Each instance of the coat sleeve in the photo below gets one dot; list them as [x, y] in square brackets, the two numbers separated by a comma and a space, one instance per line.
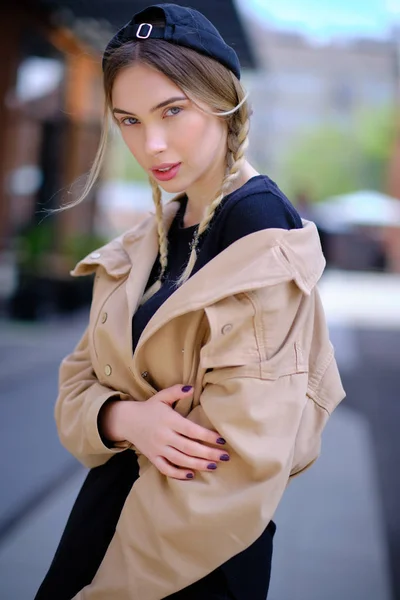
[172, 533]
[79, 401]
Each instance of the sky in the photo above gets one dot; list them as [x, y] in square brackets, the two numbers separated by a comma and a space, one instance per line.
[327, 18]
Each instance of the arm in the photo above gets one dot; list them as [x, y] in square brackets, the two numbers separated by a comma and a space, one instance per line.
[78, 405]
[172, 533]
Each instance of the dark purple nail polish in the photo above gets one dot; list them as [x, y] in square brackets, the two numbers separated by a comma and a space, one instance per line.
[212, 466]
[224, 457]
[187, 388]
[221, 441]
[189, 475]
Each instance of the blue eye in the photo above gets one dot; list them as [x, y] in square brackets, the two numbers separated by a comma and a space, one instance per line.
[128, 121]
[178, 108]
[124, 121]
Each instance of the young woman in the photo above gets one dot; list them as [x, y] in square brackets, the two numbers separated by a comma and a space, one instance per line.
[205, 376]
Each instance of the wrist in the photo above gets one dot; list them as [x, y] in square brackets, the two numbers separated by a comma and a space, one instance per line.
[111, 420]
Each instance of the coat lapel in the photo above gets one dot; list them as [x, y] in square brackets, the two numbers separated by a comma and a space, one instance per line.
[253, 262]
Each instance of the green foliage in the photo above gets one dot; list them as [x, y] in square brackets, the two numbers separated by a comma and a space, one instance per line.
[78, 246]
[376, 137]
[334, 160]
[33, 244]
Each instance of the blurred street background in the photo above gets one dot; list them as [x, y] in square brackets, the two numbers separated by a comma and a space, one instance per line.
[324, 83]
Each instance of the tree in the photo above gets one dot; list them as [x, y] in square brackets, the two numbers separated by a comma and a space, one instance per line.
[334, 159]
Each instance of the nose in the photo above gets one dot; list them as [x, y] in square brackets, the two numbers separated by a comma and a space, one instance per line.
[155, 141]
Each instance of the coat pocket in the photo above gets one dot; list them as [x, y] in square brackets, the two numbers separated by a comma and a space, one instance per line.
[232, 340]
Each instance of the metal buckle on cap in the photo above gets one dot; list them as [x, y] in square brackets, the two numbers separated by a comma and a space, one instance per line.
[144, 37]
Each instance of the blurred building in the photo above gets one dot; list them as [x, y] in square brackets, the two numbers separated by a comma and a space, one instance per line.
[51, 97]
[49, 118]
[51, 108]
[303, 84]
[392, 234]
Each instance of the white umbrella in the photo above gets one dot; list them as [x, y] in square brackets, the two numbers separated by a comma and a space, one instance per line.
[368, 208]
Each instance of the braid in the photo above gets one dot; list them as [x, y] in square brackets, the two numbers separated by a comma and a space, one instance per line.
[162, 240]
[237, 144]
[162, 236]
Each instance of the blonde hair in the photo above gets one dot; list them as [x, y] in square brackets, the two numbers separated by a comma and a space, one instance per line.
[202, 79]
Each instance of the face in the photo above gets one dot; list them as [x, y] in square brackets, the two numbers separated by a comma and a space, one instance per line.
[161, 126]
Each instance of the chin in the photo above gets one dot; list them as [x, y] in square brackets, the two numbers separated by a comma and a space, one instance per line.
[172, 187]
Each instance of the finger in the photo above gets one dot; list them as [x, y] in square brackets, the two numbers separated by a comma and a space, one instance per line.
[188, 462]
[174, 393]
[198, 450]
[170, 470]
[197, 432]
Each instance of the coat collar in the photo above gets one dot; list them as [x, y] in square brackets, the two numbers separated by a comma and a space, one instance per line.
[119, 255]
[267, 257]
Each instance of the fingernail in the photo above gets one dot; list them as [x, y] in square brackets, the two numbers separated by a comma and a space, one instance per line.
[212, 466]
[189, 475]
[187, 388]
[224, 457]
[221, 441]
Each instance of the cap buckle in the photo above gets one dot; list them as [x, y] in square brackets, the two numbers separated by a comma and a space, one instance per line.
[144, 37]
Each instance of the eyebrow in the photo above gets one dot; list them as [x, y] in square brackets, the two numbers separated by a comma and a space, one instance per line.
[161, 105]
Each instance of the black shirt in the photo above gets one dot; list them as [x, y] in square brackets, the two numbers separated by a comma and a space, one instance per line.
[258, 204]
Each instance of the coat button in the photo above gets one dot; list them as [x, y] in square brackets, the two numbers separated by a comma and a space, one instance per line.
[226, 328]
[95, 255]
[104, 317]
[144, 374]
[107, 370]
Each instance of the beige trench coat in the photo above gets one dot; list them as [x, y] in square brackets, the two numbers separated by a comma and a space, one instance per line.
[248, 332]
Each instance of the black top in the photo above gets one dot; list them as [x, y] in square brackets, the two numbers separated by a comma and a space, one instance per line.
[258, 204]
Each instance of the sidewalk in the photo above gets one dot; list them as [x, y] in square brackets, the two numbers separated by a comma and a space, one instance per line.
[330, 542]
[361, 299]
[35, 343]
[33, 461]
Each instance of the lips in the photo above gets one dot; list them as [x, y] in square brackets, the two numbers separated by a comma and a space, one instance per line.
[164, 166]
[165, 175]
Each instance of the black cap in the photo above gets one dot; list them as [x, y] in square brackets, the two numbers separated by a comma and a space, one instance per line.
[183, 26]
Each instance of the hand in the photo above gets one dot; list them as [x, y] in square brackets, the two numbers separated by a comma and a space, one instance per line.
[175, 445]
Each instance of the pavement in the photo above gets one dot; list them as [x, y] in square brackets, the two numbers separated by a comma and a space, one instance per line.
[338, 534]
[32, 460]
